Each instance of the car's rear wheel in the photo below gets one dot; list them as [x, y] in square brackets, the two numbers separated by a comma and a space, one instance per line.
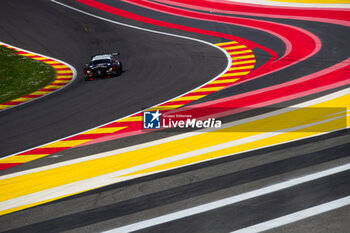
[120, 69]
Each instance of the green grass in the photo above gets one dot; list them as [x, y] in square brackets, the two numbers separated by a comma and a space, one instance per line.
[21, 75]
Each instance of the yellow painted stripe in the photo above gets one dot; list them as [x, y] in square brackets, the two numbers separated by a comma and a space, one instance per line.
[235, 74]
[64, 76]
[70, 143]
[61, 81]
[243, 57]
[226, 43]
[60, 66]
[243, 62]
[64, 72]
[205, 89]
[22, 158]
[165, 107]
[22, 99]
[194, 97]
[104, 130]
[225, 81]
[235, 47]
[241, 68]
[41, 58]
[2, 106]
[133, 118]
[40, 93]
[28, 54]
[52, 87]
[52, 62]
[240, 52]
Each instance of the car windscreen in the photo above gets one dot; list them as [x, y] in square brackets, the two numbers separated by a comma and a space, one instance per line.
[102, 61]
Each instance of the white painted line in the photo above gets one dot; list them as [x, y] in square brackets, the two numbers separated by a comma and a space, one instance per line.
[229, 62]
[228, 201]
[185, 135]
[292, 4]
[55, 59]
[297, 216]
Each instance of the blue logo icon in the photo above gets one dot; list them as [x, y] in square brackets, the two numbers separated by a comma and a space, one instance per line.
[151, 120]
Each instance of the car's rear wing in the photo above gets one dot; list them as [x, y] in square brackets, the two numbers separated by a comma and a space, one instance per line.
[114, 55]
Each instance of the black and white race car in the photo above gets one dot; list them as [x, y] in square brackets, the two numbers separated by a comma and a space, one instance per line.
[103, 66]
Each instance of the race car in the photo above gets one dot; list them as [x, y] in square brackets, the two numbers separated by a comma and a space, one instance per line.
[103, 66]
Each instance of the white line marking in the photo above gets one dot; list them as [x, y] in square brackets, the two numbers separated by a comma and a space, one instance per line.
[228, 201]
[297, 216]
[55, 59]
[229, 61]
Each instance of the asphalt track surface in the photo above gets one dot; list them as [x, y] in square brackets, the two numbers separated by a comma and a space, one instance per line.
[82, 105]
[156, 68]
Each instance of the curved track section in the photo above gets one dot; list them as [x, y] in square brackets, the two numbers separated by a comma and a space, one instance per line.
[157, 68]
[130, 125]
[65, 74]
[299, 89]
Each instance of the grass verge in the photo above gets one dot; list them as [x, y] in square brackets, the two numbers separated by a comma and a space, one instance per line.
[21, 75]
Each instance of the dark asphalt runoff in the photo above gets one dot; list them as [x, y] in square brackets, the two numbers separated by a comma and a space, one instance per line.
[157, 68]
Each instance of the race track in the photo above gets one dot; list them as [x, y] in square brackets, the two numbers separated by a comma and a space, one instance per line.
[161, 67]
[280, 163]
